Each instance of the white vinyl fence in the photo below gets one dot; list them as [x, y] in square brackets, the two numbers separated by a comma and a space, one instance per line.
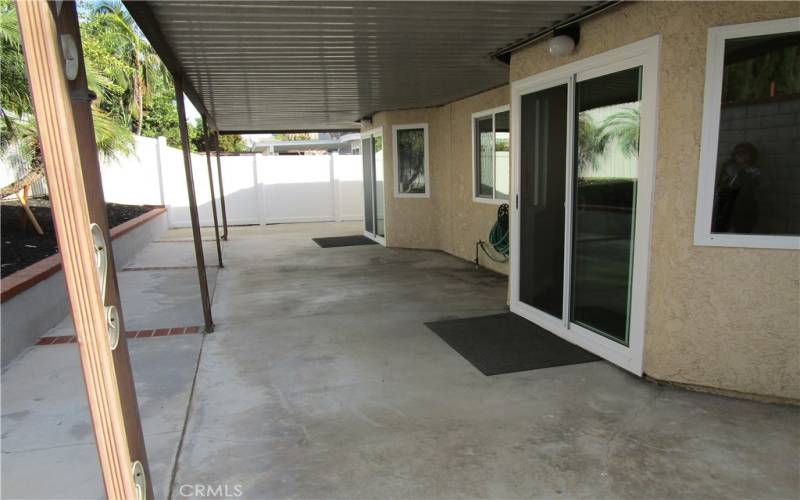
[13, 166]
[258, 189]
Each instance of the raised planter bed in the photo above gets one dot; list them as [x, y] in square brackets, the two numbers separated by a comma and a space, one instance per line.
[34, 299]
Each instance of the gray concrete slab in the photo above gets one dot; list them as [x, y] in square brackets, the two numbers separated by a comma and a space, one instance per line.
[48, 445]
[322, 382]
[153, 299]
[172, 254]
[185, 234]
[156, 299]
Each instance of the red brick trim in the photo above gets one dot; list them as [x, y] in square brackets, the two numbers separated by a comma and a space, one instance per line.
[184, 240]
[165, 268]
[25, 278]
[131, 334]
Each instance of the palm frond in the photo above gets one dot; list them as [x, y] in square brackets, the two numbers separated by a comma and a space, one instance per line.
[9, 29]
[623, 126]
[113, 138]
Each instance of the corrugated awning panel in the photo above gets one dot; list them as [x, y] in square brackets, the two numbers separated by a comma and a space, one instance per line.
[261, 66]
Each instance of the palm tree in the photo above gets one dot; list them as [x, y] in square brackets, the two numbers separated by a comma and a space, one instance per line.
[18, 125]
[623, 127]
[143, 70]
[591, 142]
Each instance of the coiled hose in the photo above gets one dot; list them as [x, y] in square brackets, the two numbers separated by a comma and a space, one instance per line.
[498, 238]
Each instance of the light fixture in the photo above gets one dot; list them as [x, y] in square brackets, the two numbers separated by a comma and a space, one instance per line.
[564, 40]
[70, 52]
[561, 45]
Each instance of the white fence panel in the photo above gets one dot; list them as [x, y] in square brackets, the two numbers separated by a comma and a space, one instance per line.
[14, 166]
[242, 203]
[348, 173]
[297, 188]
[258, 189]
[134, 179]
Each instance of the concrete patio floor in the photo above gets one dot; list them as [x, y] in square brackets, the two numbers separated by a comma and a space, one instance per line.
[321, 381]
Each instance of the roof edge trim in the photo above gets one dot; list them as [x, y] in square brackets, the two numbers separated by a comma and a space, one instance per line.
[504, 54]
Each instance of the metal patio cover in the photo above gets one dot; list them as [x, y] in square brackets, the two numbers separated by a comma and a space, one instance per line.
[300, 65]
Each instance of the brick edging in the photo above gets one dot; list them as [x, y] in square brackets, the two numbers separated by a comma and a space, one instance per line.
[131, 334]
[16, 283]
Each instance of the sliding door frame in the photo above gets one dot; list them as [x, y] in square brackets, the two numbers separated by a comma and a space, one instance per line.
[644, 53]
[371, 134]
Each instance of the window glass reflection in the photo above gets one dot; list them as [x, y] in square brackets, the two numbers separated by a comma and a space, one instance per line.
[757, 184]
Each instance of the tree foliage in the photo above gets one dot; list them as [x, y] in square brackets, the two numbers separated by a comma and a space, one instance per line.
[623, 127]
[411, 149]
[773, 69]
[113, 41]
[620, 129]
[18, 125]
[134, 93]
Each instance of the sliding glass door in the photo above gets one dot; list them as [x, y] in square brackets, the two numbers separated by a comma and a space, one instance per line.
[604, 201]
[581, 219]
[374, 209]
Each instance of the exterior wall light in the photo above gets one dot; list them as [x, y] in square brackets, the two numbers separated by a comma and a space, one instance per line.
[564, 40]
[561, 45]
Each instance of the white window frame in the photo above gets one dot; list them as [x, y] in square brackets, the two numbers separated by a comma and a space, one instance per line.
[715, 59]
[397, 193]
[475, 193]
[644, 53]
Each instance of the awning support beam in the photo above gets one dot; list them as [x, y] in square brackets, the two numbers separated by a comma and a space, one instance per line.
[207, 144]
[221, 189]
[66, 137]
[198, 243]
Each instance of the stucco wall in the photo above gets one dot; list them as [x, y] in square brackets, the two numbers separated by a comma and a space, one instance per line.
[726, 318]
[410, 222]
[449, 220]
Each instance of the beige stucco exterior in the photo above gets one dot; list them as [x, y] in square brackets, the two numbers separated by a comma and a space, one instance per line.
[449, 219]
[722, 318]
[727, 318]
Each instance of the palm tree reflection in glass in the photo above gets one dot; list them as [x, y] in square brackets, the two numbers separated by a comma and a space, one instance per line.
[411, 160]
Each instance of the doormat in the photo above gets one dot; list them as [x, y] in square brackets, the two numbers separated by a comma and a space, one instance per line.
[343, 241]
[507, 343]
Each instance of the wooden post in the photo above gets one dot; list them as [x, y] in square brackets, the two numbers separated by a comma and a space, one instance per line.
[198, 242]
[107, 374]
[221, 189]
[78, 90]
[207, 141]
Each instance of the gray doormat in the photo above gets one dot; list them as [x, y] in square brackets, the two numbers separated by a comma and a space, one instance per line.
[507, 343]
[343, 241]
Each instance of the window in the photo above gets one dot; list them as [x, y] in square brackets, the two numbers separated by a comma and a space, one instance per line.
[411, 161]
[490, 155]
[749, 164]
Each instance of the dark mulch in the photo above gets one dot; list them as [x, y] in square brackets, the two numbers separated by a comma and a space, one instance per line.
[22, 246]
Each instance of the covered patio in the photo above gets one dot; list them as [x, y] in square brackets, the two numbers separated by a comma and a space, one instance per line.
[322, 381]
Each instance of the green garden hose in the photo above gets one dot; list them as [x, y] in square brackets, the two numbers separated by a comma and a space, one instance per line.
[498, 238]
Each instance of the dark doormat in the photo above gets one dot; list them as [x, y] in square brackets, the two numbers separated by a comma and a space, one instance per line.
[508, 343]
[343, 241]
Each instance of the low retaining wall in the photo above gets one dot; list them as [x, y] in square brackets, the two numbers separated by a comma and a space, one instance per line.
[34, 299]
